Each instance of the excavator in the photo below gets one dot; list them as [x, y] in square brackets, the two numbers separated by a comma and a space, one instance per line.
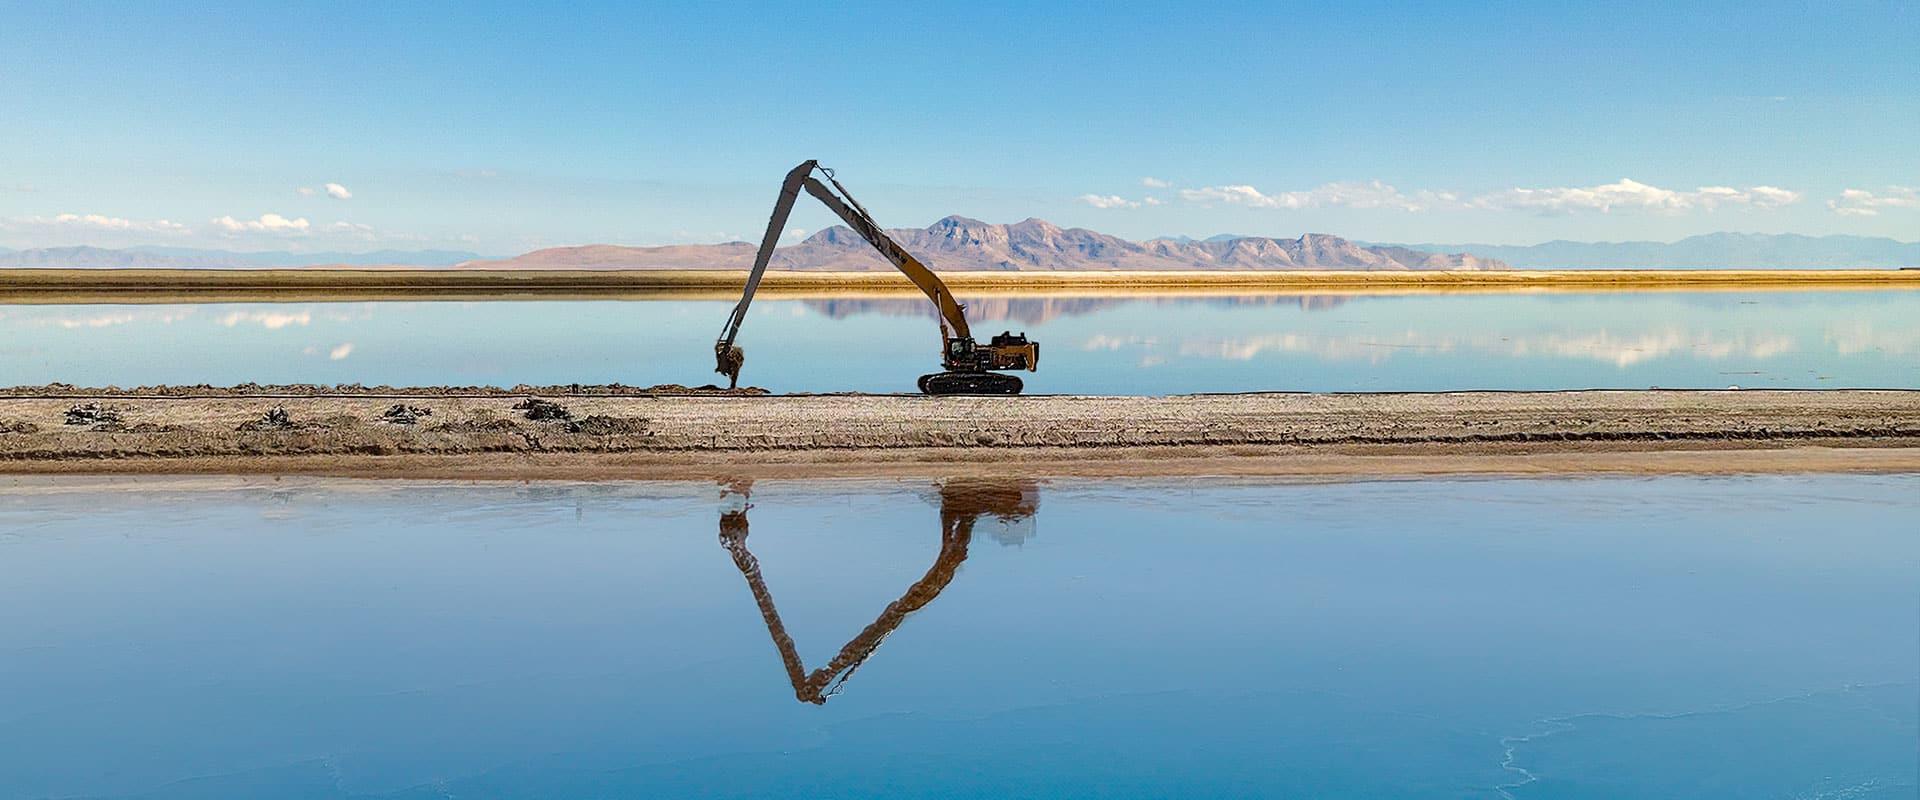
[968, 366]
[963, 501]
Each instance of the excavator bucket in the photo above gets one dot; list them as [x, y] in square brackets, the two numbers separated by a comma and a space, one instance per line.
[728, 359]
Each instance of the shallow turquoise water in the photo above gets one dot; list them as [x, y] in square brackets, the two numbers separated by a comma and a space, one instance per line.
[1661, 637]
[1138, 345]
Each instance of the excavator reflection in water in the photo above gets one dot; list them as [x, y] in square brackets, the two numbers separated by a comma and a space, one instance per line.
[963, 501]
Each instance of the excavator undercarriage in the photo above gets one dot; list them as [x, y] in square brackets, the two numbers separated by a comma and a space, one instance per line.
[969, 366]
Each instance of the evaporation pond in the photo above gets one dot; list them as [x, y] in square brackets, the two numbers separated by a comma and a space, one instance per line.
[1133, 345]
[1696, 637]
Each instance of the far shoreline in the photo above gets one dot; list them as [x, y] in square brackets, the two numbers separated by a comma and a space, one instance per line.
[81, 286]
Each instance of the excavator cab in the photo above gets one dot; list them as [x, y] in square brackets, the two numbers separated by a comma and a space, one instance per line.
[970, 367]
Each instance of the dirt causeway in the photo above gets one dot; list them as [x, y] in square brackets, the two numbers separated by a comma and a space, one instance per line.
[681, 433]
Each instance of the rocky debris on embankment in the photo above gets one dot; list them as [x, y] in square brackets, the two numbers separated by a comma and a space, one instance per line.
[403, 414]
[540, 410]
[93, 414]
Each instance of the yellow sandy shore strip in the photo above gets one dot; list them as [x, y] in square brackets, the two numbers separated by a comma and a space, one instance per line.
[271, 285]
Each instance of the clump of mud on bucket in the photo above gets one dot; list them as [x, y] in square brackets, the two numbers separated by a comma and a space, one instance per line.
[728, 361]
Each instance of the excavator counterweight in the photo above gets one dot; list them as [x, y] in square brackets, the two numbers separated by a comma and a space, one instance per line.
[969, 366]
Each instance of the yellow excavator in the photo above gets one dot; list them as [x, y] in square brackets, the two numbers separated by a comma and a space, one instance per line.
[969, 367]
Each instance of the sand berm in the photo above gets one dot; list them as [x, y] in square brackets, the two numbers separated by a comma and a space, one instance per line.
[617, 432]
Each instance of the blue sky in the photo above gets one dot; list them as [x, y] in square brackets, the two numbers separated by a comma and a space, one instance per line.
[500, 127]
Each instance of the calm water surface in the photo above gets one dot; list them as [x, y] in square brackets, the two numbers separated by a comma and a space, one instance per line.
[1662, 637]
[1136, 345]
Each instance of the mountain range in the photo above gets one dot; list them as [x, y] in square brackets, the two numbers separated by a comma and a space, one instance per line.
[960, 243]
[1709, 251]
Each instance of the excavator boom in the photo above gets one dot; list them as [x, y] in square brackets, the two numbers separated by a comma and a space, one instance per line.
[968, 364]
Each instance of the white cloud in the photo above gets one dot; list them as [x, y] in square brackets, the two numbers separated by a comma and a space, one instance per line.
[1152, 201]
[1623, 195]
[340, 353]
[348, 227]
[796, 233]
[1155, 183]
[1862, 203]
[1236, 194]
[1773, 196]
[1349, 194]
[102, 222]
[1631, 195]
[90, 227]
[1602, 345]
[1630, 350]
[333, 190]
[1102, 341]
[109, 320]
[271, 320]
[1860, 337]
[1107, 201]
[267, 223]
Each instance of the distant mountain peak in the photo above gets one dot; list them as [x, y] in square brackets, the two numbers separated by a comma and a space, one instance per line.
[1035, 222]
[835, 236]
[955, 221]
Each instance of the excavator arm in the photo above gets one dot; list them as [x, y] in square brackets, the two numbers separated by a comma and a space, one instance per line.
[953, 317]
[960, 354]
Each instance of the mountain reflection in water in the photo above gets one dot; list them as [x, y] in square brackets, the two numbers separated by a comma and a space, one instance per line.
[1117, 344]
[1041, 310]
[963, 501]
